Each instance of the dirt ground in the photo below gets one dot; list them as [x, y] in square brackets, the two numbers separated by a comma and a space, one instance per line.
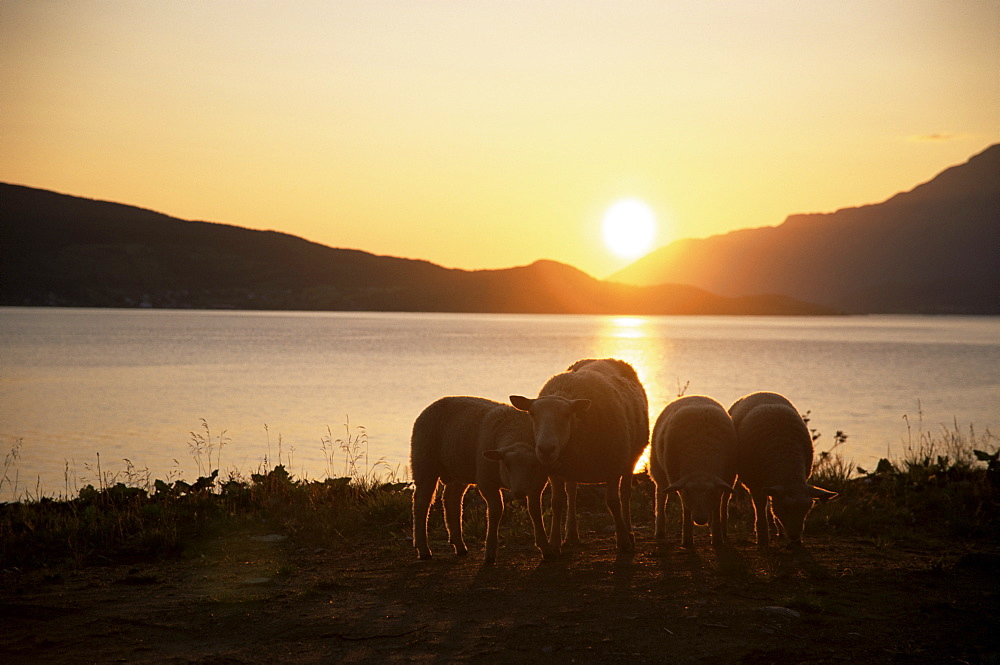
[259, 598]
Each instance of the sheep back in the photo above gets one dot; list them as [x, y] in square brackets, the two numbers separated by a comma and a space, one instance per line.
[693, 434]
[775, 447]
[450, 435]
[614, 431]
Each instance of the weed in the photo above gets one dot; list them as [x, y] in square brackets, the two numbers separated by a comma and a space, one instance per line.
[944, 488]
[938, 490]
[200, 444]
[327, 446]
[10, 460]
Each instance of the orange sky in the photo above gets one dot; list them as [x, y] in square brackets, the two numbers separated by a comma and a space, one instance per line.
[492, 134]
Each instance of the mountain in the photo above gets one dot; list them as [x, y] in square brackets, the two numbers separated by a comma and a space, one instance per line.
[63, 250]
[934, 249]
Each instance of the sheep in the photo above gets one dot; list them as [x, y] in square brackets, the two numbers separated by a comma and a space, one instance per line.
[774, 460]
[591, 424]
[693, 453]
[461, 441]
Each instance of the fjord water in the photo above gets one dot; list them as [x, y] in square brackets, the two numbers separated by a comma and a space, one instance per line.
[134, 384]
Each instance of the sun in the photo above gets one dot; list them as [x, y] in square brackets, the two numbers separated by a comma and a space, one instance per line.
[629, 228]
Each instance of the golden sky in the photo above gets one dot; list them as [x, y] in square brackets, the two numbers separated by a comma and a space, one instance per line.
[491, 134]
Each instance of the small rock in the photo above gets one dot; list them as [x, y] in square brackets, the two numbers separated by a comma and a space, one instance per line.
[272, 538]
[780, 611]
[257, 580]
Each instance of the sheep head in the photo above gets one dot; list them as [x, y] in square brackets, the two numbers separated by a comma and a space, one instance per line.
[791, 504]
[701, 494]
[519, 468]
[552, 418]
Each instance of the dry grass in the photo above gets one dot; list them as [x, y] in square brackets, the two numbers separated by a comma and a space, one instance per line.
[944, 487]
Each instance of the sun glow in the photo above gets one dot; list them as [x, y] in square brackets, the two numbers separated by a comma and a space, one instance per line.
[629, 228]
[628, 327]
[637, 341]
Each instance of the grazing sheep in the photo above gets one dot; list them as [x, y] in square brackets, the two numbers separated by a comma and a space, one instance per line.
[774, 460]
[694, 454]
[591, 424]
[470, 440]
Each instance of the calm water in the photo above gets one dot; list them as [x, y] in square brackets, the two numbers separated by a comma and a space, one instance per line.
[134, 384]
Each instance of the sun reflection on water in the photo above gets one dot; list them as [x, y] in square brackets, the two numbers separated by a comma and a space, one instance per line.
[627, 327]
[635, 340]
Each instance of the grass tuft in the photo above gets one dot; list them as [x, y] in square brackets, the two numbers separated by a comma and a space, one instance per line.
[942, 488]
[130, 514]
[945, 487]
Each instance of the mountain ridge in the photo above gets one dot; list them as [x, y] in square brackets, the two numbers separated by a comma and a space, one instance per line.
[932, 249]
[58, 249]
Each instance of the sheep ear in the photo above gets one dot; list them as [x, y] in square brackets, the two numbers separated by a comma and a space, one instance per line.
[521, 403]
[494, 455]
[720, 483]
[821, 494]
[580, 406]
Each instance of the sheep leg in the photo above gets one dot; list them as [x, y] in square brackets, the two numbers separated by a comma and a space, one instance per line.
[453, 495]
[572, 530]
[622, 530]
[535, 512]
[724, 515]
[719, 519]
[687, 526]
[774, 523]
[494, 513]
[660, 529]
[625, 493]
[423, 495]
[558, 512]
[761, 518]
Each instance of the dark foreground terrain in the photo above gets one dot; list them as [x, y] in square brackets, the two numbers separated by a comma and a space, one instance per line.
[258, 598]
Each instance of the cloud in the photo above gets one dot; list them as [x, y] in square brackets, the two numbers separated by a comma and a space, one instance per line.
[938, 137]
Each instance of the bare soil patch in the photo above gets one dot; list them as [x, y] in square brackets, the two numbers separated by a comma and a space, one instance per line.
[241, 598]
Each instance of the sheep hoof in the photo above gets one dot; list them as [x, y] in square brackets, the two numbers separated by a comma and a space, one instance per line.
[425, 556]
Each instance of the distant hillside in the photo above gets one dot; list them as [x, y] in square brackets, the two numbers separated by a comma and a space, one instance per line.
[935, 249]
[63, 250]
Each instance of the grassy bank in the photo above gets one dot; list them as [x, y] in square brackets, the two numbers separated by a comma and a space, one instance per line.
[946, 486]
